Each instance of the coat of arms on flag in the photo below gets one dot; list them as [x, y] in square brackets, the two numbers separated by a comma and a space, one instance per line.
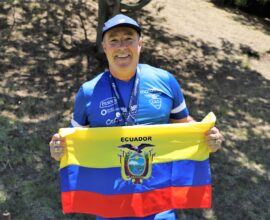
[136, 164]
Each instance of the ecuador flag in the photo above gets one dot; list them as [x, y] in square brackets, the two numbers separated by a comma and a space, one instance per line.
[136, 170]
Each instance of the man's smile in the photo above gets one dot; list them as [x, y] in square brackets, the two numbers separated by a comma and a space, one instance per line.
[122, 56]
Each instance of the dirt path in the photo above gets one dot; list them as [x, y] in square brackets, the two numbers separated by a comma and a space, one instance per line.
[193, 21]
[201, 19]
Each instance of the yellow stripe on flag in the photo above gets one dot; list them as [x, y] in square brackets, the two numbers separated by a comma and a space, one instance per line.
[98, 147]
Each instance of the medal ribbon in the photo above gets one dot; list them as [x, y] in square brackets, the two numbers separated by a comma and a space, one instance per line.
[129, 113]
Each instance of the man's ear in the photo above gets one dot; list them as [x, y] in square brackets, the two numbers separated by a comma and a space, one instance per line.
[140, 42]
[103, 46]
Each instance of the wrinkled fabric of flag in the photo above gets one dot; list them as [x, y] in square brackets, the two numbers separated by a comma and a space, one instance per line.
[136, 170]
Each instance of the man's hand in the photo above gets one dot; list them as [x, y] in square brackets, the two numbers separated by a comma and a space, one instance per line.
[57, 146]
[214, 139]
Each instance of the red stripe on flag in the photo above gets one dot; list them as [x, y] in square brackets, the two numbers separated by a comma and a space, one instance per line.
[137, 204]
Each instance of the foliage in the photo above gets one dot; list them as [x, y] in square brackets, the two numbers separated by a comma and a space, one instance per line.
[258, 7]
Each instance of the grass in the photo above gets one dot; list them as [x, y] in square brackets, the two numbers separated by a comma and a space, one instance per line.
[40, 78]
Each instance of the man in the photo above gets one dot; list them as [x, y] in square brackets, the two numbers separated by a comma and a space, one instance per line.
[129, 93]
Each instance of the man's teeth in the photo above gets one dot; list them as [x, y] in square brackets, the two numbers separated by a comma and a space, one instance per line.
[122, 56]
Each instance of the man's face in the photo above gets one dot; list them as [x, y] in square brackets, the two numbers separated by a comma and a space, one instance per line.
[122, 46]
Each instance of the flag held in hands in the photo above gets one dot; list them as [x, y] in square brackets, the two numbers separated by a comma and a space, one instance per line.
[136, 170]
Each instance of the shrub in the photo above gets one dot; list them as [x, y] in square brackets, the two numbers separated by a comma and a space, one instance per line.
[257, 7]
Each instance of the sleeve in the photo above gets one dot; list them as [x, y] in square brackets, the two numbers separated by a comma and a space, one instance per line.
[79, 118]
[179, 108]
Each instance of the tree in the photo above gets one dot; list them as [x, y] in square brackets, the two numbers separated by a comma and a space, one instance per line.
[109, 8]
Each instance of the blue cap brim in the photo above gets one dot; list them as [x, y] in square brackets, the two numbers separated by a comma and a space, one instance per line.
[136, 28]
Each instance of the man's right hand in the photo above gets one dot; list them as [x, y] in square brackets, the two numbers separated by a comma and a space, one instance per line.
[57, 146]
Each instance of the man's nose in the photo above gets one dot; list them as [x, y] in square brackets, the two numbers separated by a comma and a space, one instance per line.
[123, 43]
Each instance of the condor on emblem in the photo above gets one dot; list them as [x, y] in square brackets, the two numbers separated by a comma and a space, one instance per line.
[136, 163]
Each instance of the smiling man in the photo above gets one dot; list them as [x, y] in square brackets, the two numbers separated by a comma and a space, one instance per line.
[129, 93]
[122, 46]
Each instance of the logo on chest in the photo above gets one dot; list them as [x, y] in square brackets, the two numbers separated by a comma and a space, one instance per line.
[109, 102]
[153, 96]
[156, 102]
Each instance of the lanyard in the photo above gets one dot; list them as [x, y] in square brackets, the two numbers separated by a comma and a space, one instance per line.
[128, 113]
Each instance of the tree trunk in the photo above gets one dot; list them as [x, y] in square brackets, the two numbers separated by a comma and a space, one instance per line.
[106, 9]
[134, 6]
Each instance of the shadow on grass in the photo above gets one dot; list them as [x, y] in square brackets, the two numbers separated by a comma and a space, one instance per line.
[46, 54]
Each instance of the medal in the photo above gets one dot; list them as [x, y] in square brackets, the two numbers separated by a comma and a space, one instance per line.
[128, 113]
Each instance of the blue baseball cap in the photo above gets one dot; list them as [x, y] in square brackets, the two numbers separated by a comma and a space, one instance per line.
[120, 20]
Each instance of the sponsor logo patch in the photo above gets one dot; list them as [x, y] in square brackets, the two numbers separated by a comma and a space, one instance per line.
[109, 102]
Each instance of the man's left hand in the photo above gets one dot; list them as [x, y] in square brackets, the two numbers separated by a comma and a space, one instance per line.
[214, 139]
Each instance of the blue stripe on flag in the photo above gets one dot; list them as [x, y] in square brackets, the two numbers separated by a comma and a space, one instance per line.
[109, 181]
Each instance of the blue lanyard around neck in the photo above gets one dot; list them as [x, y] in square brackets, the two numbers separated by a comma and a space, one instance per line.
[128, 113]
